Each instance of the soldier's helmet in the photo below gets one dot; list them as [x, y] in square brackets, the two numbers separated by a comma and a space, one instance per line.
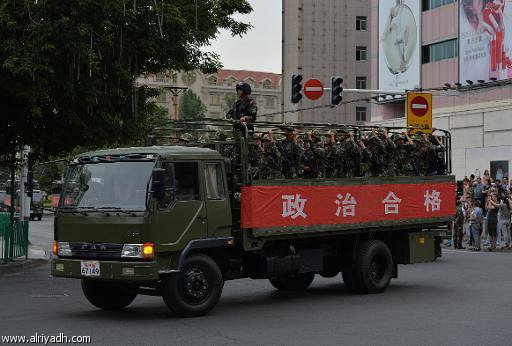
[257, 136]
[266, 138]
[186, 137]
[245, 87]
[221, 135]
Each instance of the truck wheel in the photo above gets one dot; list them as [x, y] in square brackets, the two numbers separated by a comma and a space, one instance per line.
[31, 218]
[40, 217]
[196, 289]
[108, 295]
[374, 267]
[297, 282]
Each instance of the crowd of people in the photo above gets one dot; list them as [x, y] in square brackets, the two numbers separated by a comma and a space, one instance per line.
[484, 212]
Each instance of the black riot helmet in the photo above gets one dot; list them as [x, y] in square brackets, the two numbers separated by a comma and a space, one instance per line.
[246, 88]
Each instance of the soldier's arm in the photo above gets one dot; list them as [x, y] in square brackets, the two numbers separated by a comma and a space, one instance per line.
[251, 112]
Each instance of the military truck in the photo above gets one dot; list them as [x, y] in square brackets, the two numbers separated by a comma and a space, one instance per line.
[179, 220]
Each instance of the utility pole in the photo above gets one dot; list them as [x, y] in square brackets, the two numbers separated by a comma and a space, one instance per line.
[24, 199]
[175, 92]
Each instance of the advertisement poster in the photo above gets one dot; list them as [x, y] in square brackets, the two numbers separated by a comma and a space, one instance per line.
[485, 40]
[399, 44]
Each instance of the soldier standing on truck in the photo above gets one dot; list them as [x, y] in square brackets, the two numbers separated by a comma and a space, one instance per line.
[292, 153]
[271, 163]
[365, 159]
[404, 149]
[255, 156]
[377, 150]
[333, 155]
[389, 154]
[315, 155]
[244, 110]
[351, 154]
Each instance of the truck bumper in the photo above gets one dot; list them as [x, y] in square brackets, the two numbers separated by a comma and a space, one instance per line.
[109, 270]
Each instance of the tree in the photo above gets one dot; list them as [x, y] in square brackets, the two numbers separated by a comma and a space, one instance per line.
[68, 68]
[229, 100]
[191, 107]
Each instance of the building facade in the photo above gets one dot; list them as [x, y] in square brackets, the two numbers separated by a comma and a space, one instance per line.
[478, 113]
[322, 39]
[217, 91]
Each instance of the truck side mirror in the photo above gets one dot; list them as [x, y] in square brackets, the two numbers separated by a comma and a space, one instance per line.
[158, 183]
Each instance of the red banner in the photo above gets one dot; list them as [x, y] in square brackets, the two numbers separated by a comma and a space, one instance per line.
[280, 206]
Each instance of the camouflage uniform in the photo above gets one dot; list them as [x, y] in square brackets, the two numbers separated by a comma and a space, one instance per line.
[333, 155]
[403, 158]
[315, 156]
[255, 156]
[421, 157]
[271, 163]
[377, 161]
[244, 107]
[365, 162]
[458, 227]
[185, 138]
[389, 157]
[293, 156]
[351, 158]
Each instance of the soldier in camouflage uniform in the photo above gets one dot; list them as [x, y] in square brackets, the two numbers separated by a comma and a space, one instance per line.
[292, 154]
[351, 154]
[244, 110]
[332, 154]
[365, 160]
[271, 163]
[458, 231]
[403, 158]
[185, 138]
[315, 156]
[377, 150]
[255, 156]
[421, 155]
[389, 154]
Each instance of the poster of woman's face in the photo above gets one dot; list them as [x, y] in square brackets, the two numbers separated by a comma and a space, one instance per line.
[485, 39]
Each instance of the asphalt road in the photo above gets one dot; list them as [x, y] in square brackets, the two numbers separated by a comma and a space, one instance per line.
[462, 299]
[41, 232]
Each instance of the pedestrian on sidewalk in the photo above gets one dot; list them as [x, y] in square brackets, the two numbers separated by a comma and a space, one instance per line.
[458, 224]
[475, 223]
[504, 222]
[492, 219]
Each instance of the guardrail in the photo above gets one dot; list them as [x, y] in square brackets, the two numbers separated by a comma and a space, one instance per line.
[13, 238]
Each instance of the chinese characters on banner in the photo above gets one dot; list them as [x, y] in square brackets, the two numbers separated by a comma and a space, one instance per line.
[279, 206]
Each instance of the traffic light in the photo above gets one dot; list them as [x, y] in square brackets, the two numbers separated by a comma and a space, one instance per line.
[296, 88]
[336, 90]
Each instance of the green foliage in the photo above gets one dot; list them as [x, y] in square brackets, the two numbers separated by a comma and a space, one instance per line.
[191, 107]
[68, 68]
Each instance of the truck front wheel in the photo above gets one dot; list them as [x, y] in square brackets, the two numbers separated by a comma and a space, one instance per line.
[297, 282]
[108, 295]
[373, 267]
[196, 289]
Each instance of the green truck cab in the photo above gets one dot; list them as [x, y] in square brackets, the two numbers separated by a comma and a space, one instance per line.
[178, 221]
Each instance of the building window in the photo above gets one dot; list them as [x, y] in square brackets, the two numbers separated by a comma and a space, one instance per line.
[360, 53]
[267, 84]
[361, 23]
[250, 81]
[440, 51]
[270, 102]
[360, 114]
[431, 4]
[214, 99]
[231, 81]
[212, 80]
[214, 181]
[360, 82]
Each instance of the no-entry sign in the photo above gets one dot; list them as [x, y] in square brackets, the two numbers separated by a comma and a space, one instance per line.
[313, 89]
[419, 112]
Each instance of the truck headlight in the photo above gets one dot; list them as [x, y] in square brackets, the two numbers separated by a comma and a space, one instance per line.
[144, 251]
[63, 249]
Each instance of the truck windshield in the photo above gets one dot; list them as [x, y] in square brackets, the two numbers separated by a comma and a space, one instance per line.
[107, 185]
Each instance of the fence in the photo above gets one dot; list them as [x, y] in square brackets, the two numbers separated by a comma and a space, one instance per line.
[13, 238]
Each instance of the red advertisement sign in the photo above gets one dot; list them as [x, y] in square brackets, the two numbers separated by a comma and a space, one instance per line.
[280, 206]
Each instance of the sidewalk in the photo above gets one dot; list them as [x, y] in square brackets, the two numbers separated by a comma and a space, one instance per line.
[36, 256]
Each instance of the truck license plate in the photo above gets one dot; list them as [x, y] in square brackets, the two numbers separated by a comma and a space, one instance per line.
[90, 268]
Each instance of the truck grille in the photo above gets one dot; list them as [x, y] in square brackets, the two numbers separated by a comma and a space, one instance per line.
[96, 250]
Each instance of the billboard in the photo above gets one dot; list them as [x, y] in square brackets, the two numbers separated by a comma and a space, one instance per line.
[399, 44]
[485, 41]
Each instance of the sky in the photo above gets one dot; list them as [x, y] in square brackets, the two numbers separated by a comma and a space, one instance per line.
[260, 49]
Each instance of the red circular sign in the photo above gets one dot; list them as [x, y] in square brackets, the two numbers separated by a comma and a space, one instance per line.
[419, 106]
[313, 89]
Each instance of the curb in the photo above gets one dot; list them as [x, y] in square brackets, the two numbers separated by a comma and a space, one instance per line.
[17, 266]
